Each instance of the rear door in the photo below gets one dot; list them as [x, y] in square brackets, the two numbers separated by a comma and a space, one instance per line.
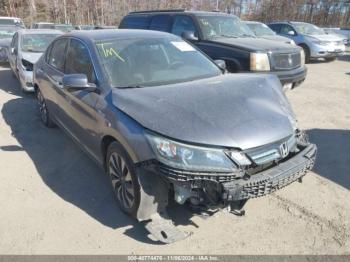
[52, 72]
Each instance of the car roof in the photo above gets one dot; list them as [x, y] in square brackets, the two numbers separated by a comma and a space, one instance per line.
[180, 11]
[101, 34]
[253, 22]
[39, 31]
[10, 17]
[44, 23]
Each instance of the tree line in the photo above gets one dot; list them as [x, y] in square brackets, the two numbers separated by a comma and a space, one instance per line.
[332, 13]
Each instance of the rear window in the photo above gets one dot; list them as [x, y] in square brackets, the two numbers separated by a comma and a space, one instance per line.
[161, 23]
[135, 22]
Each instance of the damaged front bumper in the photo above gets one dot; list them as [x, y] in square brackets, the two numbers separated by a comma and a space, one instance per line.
[272, 179]
[159, 183]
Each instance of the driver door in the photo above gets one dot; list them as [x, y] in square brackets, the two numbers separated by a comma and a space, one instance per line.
[79, 105]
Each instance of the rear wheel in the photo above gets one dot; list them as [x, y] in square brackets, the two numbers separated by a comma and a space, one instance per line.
[44, 112]
[124, 180]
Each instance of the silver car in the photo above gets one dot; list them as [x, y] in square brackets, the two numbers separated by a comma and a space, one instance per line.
[263, 31]
[315, 42]
[26, 48]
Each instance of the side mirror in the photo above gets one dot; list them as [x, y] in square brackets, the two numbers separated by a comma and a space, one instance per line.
[74, 82]
[291, 32]
[189, 35]
[13, 51]
[221, 64]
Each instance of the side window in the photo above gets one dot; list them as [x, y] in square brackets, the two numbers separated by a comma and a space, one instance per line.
[79, 61]
[47, 53]
[183, 23]
[135, 22]
[57, 54]
[275, 27]
[161, 23]
[286, 28]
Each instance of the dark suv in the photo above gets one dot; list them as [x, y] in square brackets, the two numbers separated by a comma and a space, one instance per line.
[223, 36]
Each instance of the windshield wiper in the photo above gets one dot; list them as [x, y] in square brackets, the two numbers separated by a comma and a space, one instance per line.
[129, 87]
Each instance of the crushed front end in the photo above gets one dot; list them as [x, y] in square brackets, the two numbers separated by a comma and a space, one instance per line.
[259, 171]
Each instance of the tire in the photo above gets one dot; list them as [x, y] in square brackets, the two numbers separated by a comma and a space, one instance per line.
[330, 59]
[307, 53]
[44, 112]
[124, 181]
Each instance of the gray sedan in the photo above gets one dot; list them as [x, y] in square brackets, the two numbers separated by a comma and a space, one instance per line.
[167, 123]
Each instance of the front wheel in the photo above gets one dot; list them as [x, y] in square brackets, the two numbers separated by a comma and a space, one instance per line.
[44, 112]
[306, 52]
[330, 59]
[126, 186]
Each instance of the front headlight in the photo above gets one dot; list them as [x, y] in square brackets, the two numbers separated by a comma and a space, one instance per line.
[259, 62]
[302, 57]
[292, 42]
[26, 65]
[188, 157]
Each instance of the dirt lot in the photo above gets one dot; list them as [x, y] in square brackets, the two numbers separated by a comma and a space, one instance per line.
[55, 200]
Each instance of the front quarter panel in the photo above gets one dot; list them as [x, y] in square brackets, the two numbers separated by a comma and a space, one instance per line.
[118, 125]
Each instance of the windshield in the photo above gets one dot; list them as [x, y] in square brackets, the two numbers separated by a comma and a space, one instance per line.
[260, 29]
[36, 43]
[308, 29]
[223, 26]
[143, 62]
[7, 32]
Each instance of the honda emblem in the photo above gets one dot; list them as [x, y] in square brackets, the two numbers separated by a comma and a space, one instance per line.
[284, 150]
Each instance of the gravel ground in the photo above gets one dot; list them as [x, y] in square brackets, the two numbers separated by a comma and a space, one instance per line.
[55, 200]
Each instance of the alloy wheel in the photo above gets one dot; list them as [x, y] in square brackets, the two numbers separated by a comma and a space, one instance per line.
[121, 181]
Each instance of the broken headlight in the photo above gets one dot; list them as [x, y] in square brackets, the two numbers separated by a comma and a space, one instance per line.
[189, 157]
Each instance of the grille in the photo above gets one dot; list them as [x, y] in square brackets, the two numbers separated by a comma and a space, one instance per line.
[283, 61]
[183, 176]
[271, 152]
[266, 184]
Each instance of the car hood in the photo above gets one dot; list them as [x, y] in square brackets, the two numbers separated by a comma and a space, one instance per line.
[31, 56]
[256, 44]
[237, 111]
[277, 38]
[6, 42]
[325, 37]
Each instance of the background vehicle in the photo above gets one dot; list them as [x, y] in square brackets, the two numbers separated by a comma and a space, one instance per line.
[225, 37]
[43, 25]
[64, 27]
[315, 42]
[84, 27]
[263, 31]
[105, 27]
[340, 33]
[26, 48]
[12, 21]
[6, 34]
[127, 116]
